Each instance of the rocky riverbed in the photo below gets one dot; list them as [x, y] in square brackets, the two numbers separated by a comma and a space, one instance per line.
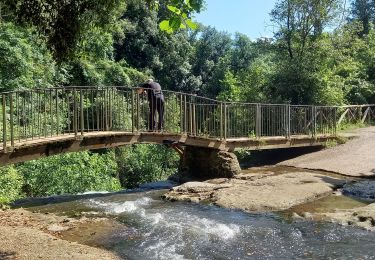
[28, 235]
[260, 189]
[278, 188]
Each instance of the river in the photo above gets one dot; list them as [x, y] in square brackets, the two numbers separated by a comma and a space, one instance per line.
[157, 229]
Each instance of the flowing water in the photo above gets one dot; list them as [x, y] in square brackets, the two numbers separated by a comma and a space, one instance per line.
[156, 229]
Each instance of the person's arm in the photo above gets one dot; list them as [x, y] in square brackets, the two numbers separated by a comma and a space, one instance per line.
[141, 90]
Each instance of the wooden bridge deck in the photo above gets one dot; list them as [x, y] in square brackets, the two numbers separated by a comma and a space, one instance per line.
[34, 149]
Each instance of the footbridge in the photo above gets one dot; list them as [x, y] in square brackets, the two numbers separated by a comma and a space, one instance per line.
[48, 121]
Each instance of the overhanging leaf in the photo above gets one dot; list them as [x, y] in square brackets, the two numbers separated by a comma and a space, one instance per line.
[191, 24]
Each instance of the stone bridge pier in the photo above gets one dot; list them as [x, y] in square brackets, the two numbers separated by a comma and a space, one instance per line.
[208, 163]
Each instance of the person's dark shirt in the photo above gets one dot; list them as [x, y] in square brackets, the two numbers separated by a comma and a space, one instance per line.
[153, 90]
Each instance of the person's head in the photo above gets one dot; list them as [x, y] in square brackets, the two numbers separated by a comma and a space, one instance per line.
[149, 81]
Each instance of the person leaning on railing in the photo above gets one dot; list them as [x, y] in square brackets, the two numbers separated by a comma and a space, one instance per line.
[156, 103]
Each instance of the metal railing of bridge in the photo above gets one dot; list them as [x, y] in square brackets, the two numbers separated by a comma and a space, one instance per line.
[35, 114]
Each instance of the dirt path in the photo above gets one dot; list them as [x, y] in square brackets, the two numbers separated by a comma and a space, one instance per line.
[355, 158]
[26, 235]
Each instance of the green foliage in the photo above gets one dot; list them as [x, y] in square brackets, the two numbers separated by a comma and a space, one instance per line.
[179, 14]
[63, 22]
[24, 59]
[211, 59]
[165, 57]
[10, 185]
[69, 174]
[364, 12]
[145, 163]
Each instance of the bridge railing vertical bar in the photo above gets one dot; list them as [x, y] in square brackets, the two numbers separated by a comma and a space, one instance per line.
[288, 120]
[313, 118]
[302, 120]
[225, 120]
[241, 119]
[11, 123]
[82, 119]
[258, 121]
[4, 115]
[221, 120]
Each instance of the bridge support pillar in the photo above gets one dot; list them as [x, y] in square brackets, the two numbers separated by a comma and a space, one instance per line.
[205, 163]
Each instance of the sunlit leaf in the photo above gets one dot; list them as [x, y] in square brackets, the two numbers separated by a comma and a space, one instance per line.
[191, 24]
[174, 9]
[164, 25]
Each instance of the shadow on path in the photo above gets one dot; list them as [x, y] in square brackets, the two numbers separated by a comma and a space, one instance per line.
[7, 255]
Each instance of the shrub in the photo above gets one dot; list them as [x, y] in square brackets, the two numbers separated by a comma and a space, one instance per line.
[70, 173]
[10, 185]
[145, 163]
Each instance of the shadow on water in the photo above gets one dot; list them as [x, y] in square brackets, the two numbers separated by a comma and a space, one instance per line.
[275, 156]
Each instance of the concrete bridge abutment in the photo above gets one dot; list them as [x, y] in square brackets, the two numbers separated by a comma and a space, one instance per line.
[207, 163]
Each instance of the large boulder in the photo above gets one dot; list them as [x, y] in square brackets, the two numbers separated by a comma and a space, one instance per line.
[205, 163]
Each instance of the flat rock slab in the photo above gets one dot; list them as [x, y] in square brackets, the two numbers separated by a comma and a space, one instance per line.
[265, 193]
[278, 192]
[28, 243]
[355, 158]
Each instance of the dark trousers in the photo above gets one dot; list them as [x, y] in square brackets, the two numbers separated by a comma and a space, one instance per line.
[156, 105]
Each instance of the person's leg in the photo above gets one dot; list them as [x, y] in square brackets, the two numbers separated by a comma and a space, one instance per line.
[161, 114]
[151, 116]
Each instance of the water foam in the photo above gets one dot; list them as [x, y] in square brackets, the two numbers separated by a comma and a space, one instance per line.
[220, 230]
[121, 207]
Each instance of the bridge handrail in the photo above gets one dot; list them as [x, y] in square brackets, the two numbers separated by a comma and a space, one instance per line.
[49, 112]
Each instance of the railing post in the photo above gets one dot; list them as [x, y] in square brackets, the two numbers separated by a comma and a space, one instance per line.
[75, 112]
[194, 118]
[132, 110]
[11, 119]
[287, 121]
[190, 118]
[110, 108]
[225, 121]
[313, 112]
[4, 124]
[334, 122]
[185, 115]
[45, 113]
[57, 112]
[137, 104]
[81, 111]
[221, 121]
[106, 109]
[258, 121]
[181, 115]
[365, 115]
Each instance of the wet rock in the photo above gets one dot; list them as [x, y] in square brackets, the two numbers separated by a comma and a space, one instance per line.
[362, 189]
[197, 187]
[253, 176]
[194, 191]
[362, 217]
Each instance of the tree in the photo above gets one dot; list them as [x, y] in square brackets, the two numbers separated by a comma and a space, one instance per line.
[364, 11]
[167, 57]
[25, 60]
[211, 59]
[300, 22]
[63, 22]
